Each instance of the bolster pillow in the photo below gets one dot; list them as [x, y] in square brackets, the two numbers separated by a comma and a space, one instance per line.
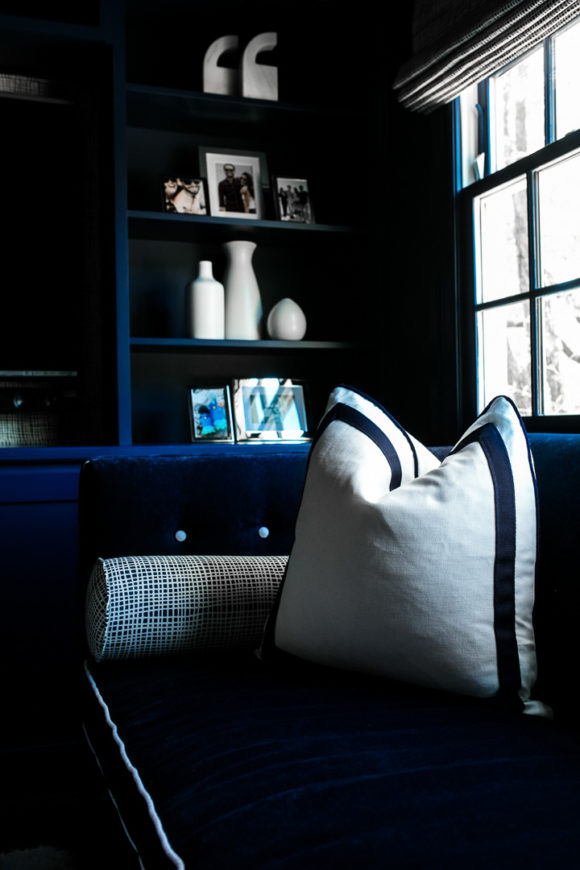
[143, 606]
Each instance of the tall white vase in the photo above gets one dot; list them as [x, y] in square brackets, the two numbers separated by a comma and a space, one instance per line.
[243, 304]
[206, 304]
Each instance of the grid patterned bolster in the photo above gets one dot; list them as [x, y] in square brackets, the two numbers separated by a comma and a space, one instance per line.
[140, 606]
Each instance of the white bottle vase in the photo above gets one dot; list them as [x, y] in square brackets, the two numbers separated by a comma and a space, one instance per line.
[206, 304]
[286, 321]
[243, 303]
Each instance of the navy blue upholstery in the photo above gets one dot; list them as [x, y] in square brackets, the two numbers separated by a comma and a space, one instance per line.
[252, 767]
[134, 505]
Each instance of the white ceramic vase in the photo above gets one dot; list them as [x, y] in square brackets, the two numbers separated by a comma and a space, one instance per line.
[206, 304]
[286, 321]
[243, 306]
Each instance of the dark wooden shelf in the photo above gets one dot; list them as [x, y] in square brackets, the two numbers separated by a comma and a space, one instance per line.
[170, 109]
[181, 227]
[45, 30]
[181, 344]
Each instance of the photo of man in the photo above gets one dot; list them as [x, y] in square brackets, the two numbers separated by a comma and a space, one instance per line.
[229, 190]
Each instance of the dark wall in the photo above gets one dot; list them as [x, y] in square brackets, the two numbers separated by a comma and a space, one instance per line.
[419, 303]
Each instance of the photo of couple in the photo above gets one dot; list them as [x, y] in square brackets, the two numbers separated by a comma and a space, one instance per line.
[236, 189]
[234, 182]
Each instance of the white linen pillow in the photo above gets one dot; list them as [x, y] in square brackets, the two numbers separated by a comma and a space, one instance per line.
[408, 567]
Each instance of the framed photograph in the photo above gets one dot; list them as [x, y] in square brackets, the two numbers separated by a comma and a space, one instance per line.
[211, 414]
[234, 181]
[184, 195]
[292, 198]
[270, 409]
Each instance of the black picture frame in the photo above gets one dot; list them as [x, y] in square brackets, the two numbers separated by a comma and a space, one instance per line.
[210, 414]
[292, 199]
[244, 200]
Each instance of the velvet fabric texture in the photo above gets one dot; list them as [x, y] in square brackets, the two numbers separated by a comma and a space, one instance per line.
[133, 506]
[256, 767]
[251, 768]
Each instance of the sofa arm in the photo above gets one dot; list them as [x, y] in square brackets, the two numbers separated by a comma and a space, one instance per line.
[143, 606]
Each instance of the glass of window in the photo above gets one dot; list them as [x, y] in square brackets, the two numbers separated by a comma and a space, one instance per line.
[504, 355]
[567, 76]
[502, 242]
[558, 210]
[517, 96]
[559, 319]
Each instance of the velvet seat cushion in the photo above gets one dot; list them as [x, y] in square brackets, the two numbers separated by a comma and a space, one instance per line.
[242, 767]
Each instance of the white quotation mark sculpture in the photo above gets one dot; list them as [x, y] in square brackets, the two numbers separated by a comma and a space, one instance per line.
[258, 80]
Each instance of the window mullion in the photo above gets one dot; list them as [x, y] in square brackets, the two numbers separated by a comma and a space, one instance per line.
[533, 251]
[484, 125]
[549, 92]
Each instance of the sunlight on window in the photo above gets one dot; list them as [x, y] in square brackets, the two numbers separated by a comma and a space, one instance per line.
[559, 220]
[567, 75]
[502, 242]
[504, 355]
[518, 101]
[559, 318]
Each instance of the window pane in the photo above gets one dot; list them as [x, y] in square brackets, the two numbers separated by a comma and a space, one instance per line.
[504, 361]
[518, 101]
[567, 76]
[502, 242]
[559, 316]
[559, 221]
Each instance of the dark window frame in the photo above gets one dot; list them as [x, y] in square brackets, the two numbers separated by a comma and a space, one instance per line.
[465, 247]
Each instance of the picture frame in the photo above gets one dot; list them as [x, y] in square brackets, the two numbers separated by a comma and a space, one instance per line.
[184, 194]
[234, 181]
[210, 414]
[270, 409]
[292, 199]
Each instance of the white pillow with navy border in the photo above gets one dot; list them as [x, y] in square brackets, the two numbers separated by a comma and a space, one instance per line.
[411, 568]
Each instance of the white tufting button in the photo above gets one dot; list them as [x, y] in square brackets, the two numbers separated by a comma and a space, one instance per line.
[263, 531]
[180, 535]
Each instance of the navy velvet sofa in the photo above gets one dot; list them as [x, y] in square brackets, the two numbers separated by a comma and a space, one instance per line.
[220, 760]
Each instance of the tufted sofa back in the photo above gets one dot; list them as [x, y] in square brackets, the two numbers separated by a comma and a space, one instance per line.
[245, 501]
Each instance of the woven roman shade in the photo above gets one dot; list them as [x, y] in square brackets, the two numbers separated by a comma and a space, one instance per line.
[459, 42]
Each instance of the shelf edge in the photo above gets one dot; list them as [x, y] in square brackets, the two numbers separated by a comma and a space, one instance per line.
[154, 344]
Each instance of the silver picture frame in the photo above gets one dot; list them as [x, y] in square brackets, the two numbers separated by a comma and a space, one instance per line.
[270, 409]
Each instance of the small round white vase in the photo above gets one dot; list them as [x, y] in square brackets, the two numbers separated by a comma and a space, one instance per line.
[206, 304]
[286, 321]
[243, 305]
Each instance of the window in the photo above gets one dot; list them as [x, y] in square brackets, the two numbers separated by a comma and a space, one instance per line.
[518, 197]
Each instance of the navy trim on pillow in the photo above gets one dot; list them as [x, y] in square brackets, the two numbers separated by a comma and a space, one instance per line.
[358, 421]
[393, 420]
[508, 663]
